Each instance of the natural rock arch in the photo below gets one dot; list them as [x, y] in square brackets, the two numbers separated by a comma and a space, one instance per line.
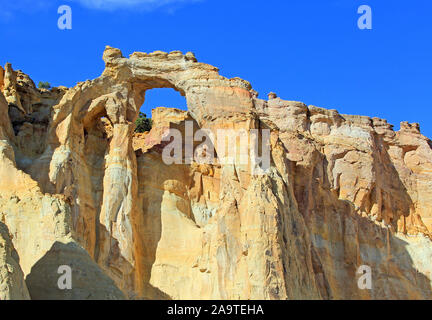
[298, 232]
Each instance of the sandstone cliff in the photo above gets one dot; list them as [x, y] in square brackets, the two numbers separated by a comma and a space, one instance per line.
[12, 284]
[79, 188]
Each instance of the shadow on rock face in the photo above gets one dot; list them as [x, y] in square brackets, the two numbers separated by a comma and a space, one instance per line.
[89, 282]
[342, 239]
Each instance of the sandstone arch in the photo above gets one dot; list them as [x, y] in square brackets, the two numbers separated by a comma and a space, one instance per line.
[342, 190]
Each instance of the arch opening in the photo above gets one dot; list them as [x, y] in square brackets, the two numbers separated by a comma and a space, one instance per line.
[163, 97]
[155, 98]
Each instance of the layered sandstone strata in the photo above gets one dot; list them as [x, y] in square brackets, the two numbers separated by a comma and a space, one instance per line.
[341, 192]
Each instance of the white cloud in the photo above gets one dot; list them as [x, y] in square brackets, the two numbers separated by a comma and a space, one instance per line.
[12, 9]
[130, 4]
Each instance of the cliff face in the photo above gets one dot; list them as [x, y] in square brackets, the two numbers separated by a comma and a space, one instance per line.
[79, 188]
[12, 284]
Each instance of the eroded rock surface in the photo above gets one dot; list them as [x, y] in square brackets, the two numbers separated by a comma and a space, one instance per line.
[12, 284]
[342, 191]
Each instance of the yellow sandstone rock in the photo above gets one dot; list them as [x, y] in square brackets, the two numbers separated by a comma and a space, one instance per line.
[12, 284]
[76, 181]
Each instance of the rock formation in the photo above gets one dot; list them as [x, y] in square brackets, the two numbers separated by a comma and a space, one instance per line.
[12, 284]
[79, 188]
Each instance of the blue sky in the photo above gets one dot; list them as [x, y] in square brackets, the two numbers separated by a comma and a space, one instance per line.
[305, 50]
